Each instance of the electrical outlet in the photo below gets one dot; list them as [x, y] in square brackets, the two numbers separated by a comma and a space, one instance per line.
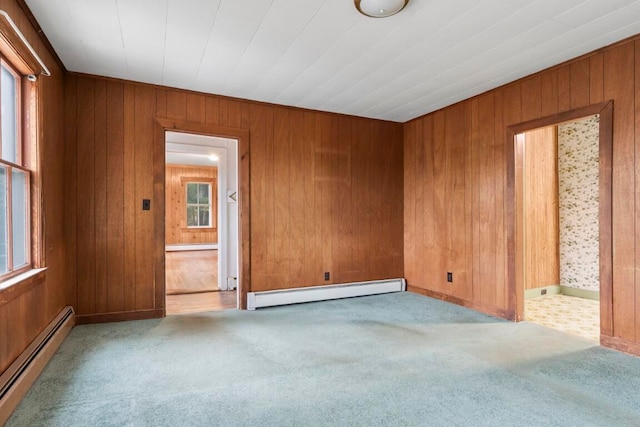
[146, 204]
[327, 275]
[450, 277]
[543, 292]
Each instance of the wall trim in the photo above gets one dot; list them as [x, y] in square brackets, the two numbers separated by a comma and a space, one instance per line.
[620, 344]
[161, 126]
[537, 292]
[120, 316]
[580, 293]
[491, 311]
[515, 287]
[197, 247]
[16, 381]
[562, 290]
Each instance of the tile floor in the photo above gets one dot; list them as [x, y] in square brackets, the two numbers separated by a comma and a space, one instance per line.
[575, 316]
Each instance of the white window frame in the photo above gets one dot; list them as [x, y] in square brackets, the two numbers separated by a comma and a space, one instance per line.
[20, 164]
[198, 205]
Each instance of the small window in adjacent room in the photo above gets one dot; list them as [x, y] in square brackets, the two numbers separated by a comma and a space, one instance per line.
[198, 204]
[15, 187]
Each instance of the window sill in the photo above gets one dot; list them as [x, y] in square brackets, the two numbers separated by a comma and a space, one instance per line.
[198, 229]
[20, 284]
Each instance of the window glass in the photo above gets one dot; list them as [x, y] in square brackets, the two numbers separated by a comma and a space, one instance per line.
[20, 217]
[203, 194]
[15, 190]
[192, 216]
[3, 220]
[204, 216]
[198, 208]
[9, 123]
[192, 193]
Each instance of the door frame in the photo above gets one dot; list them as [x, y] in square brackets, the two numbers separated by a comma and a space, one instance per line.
[161, 126]
[514, 262]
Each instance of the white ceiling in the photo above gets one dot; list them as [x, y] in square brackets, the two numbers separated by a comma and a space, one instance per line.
[189, 149]
[324, 55]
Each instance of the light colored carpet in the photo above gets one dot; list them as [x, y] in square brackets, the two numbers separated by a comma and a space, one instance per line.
[393, 360]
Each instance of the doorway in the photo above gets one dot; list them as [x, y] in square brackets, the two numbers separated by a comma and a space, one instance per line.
[557, 190]
[201, 220]
[516, 262]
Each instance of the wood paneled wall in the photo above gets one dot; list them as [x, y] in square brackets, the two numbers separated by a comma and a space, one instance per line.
[455, 205]
[177, 232]
[325, 190]
[539, 214]
[25, 314]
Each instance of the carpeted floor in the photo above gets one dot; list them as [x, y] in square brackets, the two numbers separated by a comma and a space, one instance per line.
[393, 360]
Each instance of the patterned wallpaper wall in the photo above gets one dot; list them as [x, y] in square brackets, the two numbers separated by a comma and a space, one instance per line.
[578, 200]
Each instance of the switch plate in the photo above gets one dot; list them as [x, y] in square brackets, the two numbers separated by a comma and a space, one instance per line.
[146, 204]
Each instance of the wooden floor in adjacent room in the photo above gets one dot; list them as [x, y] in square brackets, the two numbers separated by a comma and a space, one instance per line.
[191, 271]
[192, 283]
[197, 303]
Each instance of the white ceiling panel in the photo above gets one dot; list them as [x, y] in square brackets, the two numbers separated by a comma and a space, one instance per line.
[323, 54]
[189, 24]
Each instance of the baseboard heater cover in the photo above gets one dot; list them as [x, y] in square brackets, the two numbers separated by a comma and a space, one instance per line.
[22, 373]
[323, 293]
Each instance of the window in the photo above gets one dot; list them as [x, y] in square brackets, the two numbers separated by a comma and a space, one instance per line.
[15, 177]
[198, 204]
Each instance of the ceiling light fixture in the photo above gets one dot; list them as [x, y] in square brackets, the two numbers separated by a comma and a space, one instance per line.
[380, 8]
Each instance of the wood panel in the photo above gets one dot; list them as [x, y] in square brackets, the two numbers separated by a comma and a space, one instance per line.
[612, 73]
[86, 208]
[539, 214]
[619, 79]
[24, 314]
[484, 202]
[325, 191]
[637, 194]
[177, 232]
[115, 199]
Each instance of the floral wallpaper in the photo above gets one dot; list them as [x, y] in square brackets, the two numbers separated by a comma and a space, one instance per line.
[578, 200]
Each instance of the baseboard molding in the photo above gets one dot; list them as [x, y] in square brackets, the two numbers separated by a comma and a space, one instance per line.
[491, 311]
[620, 344]
[16, 381]
[580, 293]
[322, 293]
[119, 316]
[176, 248]
[538, 292]
[561, 290]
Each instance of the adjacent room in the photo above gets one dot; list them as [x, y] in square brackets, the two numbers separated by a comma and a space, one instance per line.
[334, 212]
[559, 214]
[200, 226]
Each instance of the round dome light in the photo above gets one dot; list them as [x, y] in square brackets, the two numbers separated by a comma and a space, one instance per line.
[380, 8]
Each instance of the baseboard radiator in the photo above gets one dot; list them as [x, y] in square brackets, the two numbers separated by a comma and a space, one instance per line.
[322, 293]
[23, 372]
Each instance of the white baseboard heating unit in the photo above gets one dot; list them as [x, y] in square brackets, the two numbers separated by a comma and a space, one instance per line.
[322, 293]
